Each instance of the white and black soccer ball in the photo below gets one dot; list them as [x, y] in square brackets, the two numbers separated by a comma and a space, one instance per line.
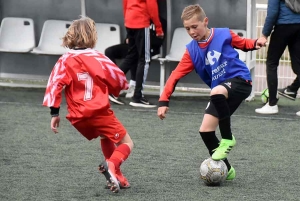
[213, 172]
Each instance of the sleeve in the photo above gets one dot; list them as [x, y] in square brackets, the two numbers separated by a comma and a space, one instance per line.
[57, 80]
[184, 67]
[244, 44]
[115, 78]
[152, 8]
[272, 15]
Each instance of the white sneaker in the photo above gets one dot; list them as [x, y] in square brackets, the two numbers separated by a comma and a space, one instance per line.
[130, 92]
[267, 109]
[298, 113]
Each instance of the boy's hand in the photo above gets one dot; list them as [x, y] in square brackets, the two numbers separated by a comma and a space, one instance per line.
[162, 111]
[55, 124]
[261, 42]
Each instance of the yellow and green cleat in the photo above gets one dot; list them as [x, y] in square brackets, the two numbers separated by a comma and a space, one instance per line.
[224, 148]
[231, 174]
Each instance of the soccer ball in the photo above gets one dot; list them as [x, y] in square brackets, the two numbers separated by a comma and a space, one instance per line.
[265, 96]
[213, 172]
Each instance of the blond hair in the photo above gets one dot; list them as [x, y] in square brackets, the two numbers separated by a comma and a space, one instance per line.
[192, 10]
[81, 34]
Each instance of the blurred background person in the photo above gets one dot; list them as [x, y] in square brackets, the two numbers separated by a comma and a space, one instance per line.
[285, 25]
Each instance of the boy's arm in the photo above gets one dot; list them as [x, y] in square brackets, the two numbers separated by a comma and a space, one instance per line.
[184, 67]
[241, 43]
[106, 71]
[115, 78]
[57, 80]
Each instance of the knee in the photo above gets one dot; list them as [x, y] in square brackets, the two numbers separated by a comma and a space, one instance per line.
[219, 90]
[108, 52]
[130, 144]
[204, 129]
[127, 140]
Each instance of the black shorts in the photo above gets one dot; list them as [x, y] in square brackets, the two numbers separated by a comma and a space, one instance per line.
[238, 90]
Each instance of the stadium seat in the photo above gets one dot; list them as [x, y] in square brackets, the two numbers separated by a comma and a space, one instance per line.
[17, 35]
[178, 46]
[241, 33]
[108, 35]
[50, 40]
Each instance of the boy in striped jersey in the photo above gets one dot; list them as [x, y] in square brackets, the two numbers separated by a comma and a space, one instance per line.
[87, 77]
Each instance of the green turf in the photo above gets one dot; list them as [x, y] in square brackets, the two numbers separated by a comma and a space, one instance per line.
[36, 164]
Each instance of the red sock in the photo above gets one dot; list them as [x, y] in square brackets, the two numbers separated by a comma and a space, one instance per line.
[108, 147]
[120, 154]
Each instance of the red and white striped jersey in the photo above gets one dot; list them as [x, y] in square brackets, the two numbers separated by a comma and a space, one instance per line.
[87, 77]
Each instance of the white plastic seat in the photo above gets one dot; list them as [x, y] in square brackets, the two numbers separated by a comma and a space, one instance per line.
[50, 40]
[17, 35]
[241, 33]
[108, 35]
[178, 46]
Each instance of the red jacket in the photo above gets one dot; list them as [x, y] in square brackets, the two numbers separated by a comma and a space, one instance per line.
[139, 13]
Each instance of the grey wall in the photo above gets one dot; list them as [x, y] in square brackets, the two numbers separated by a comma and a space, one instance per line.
[39, 11]
[221, 13]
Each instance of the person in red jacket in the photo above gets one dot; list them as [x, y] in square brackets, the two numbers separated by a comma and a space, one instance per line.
[87, 77]
[138, 15]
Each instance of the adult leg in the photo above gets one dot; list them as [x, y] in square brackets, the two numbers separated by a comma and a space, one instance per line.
[128, 61]
[278, 43]
[143, 47]
[116, 52]
[132, 55]
[290, 91]
[296, 84]
[294, 49]
[132, 82]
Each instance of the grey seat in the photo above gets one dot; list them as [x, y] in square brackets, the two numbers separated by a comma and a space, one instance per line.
[108, 35]
[178, 46]
[50, 40]
[17, 35]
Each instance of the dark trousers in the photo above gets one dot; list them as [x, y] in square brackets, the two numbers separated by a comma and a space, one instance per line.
[284, 35]
[119, 52]
[295, 85]
[138, 55]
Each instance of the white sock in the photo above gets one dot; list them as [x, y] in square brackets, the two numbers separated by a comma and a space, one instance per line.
[131, 83]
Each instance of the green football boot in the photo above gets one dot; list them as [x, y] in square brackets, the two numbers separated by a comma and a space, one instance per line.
[224, 148]
[231, 174]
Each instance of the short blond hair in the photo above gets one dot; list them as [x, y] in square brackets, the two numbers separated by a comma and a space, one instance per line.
[192, 10]
[81, 34]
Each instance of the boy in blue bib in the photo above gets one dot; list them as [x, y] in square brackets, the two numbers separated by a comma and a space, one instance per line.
[212, 55]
